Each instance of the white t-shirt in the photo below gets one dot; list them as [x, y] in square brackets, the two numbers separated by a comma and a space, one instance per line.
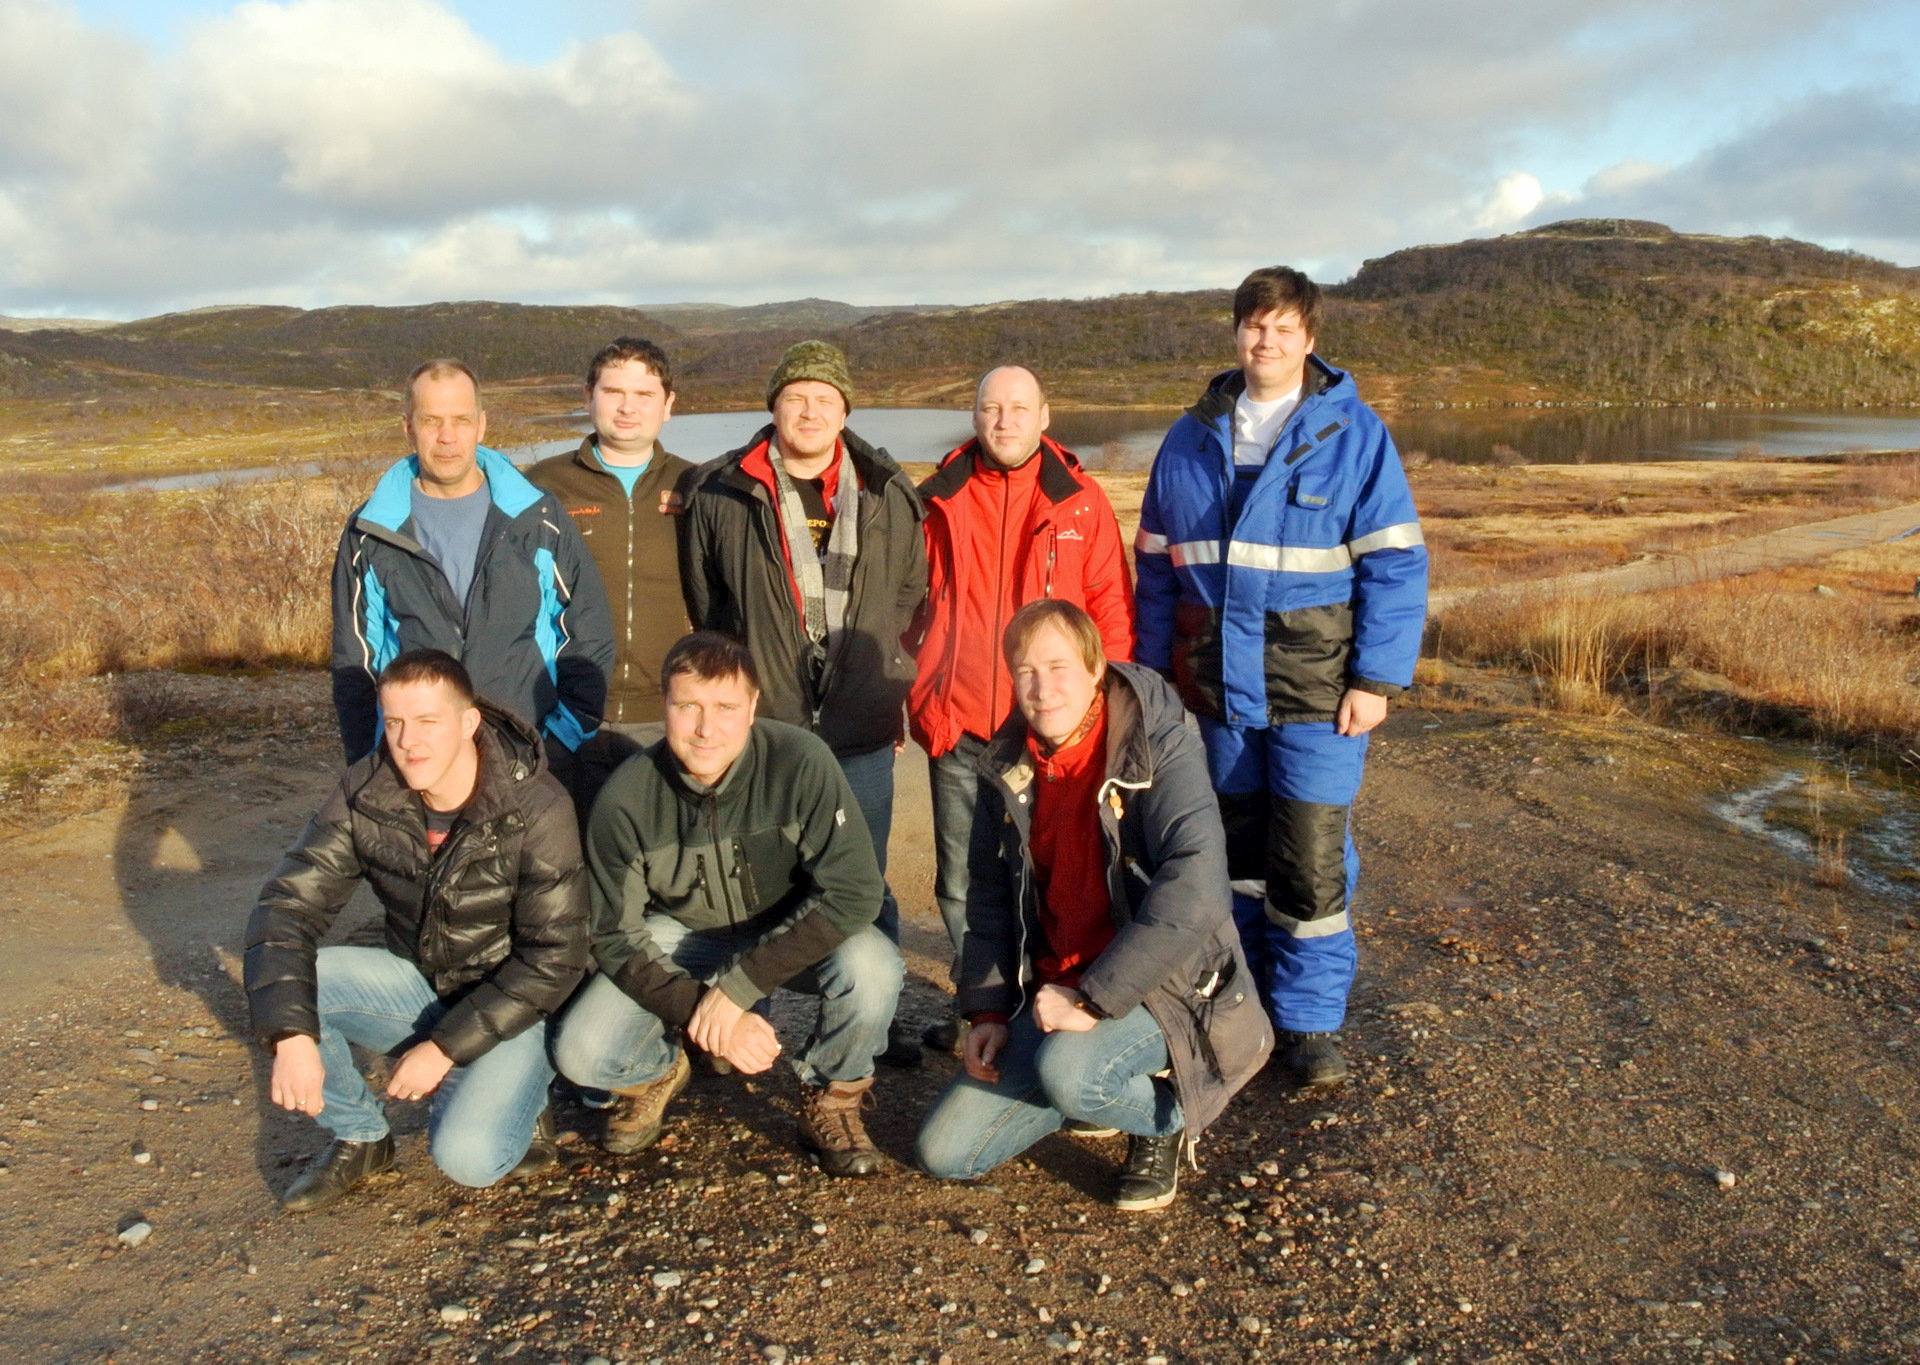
[1255, 425]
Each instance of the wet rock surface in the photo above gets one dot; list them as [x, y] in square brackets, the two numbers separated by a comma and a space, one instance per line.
[1584, 1001]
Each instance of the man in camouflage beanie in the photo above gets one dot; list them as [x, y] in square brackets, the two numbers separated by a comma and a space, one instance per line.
[824, 611]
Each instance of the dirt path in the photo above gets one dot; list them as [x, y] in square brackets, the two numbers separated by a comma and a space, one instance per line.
[1581, 995]
[1791, 545]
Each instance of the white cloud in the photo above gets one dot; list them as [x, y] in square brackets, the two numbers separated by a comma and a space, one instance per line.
[379, 150]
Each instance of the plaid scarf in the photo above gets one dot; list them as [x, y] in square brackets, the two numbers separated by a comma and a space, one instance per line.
[824, 586]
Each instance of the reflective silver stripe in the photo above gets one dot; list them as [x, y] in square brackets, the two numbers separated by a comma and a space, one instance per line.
[1147, 543]
[1258, 890]
[1196, 552]
[1312, 928]
[1402, 537]
[1249, 554]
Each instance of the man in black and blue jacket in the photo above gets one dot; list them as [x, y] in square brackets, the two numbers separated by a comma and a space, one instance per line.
[457, 551]
[1282, 585]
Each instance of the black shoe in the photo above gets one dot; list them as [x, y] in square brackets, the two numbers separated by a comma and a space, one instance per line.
[1152, 1175]
[944, 1036]
[902, 1051]
[543, 1151]
[1314, 1059]
[340, 1169]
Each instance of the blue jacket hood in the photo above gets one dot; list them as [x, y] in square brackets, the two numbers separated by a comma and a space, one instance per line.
[392, 500]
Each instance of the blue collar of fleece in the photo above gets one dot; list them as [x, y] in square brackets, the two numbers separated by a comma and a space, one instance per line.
[392, 500]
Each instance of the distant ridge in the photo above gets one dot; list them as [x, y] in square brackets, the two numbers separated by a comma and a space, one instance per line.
[1585, 310]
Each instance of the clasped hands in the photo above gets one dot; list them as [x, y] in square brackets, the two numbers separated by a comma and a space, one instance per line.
[722, 1029]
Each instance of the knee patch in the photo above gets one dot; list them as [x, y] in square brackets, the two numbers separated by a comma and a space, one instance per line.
[1245, 816]
[1306, 867]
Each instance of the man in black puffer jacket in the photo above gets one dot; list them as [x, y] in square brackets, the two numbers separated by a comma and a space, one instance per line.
[473, 849]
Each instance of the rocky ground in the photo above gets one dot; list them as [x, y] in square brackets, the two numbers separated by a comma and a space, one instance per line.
[1629, 1085]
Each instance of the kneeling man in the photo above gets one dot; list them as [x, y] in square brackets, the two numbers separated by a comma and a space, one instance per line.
[473, 849]
[730, 859]
[1101, 972]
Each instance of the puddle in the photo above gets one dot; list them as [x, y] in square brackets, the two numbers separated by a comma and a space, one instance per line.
[1804, 810]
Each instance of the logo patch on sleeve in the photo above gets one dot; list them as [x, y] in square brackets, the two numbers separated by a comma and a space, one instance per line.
[839, 817]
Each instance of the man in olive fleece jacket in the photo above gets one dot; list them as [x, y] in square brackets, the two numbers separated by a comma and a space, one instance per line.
[726, 861]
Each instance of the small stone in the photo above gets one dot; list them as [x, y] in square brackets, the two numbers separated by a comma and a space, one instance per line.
[1248, 1181]
[775, 1355]
[149, 1105]
[1509, 1249]
[1156, 1360]
[784, 1178]
[709, 1303]
[949, 1307]
[135, 1233]
[522, 1243]
[141, 1156]
[1726, 1180]
[978, 1237]
[666, 1279]
[455, 1312]
[1045, 1314]
[1036, 1265]
[437, 1339]
[692, 1317]
[1249, 1324]
[819, 1229]
[596, 1360]
[1464, 1305]
[1269, 1168]
[1181, 1289]
[1058, 1341]
[702, 1243]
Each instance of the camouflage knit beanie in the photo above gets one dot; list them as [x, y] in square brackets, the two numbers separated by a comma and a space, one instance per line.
[811, 360]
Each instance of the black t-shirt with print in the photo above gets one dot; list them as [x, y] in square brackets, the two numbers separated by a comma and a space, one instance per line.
[813, 500]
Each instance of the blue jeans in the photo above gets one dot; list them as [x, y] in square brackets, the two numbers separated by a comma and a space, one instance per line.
[871, 777]
[954, 778]
[607, 1041]
[1103, 1077]
[483, 1113]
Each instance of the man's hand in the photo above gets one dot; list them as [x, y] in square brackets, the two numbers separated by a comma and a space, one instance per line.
[422, 1067]
[1057, 1009]
[752, 1046]
[1359, 712]
[713, 1022]
[298, 1074]
[984, 1044]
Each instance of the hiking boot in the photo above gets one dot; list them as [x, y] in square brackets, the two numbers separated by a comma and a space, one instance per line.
[1314, 1059]
[830, 1125]
[902, 1051]
[1152, 1174]
[944, 1036]
[1079, 1129]
[634, 1122]
[340, 1169]
[543, 1150]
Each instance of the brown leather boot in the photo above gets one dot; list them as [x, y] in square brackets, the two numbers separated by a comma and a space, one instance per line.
[830, 1125]
[634, 1122]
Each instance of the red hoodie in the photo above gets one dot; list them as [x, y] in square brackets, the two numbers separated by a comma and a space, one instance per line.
[997, 540]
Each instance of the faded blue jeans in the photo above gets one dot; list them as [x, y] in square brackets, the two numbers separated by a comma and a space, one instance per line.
[1103, 1077]
[954, 779]
[871, 777]
[607, 1041]
[483, 1113]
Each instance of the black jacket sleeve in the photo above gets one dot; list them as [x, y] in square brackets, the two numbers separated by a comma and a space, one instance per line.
[550, 953]
[583, 669]
[354, 699]
[296, 908]
[1187, 898]
[697, 572]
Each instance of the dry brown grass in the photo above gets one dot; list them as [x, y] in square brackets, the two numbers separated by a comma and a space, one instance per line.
[1845, 666]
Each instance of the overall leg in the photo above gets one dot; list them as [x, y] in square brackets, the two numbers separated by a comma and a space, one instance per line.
[973, 1126]
[1104, 1076]
[1237, 762]
[369, 997]
[1315, 775]
[484, 1112]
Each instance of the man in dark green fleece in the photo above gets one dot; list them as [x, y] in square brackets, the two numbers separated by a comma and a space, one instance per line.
[726, 861]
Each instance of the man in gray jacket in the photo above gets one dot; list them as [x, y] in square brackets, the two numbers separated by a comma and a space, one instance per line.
[726, 861]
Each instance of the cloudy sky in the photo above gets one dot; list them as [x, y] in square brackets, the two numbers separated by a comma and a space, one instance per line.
[165, 154]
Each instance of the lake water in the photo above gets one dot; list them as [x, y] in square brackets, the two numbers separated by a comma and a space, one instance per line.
[1126, 440]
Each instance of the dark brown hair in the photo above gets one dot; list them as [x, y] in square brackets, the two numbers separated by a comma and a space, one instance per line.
[1278, 288]
[441, 367]
[430, 665]
[1074, 623]
[623, 349]
[709, 655]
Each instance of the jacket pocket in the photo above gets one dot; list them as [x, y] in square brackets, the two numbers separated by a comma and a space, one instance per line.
[1306, 659]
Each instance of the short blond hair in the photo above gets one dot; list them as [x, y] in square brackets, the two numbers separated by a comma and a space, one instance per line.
[442, 367]
[1073, 622]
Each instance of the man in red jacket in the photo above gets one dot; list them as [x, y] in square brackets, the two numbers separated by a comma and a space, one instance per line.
[1011, 517]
